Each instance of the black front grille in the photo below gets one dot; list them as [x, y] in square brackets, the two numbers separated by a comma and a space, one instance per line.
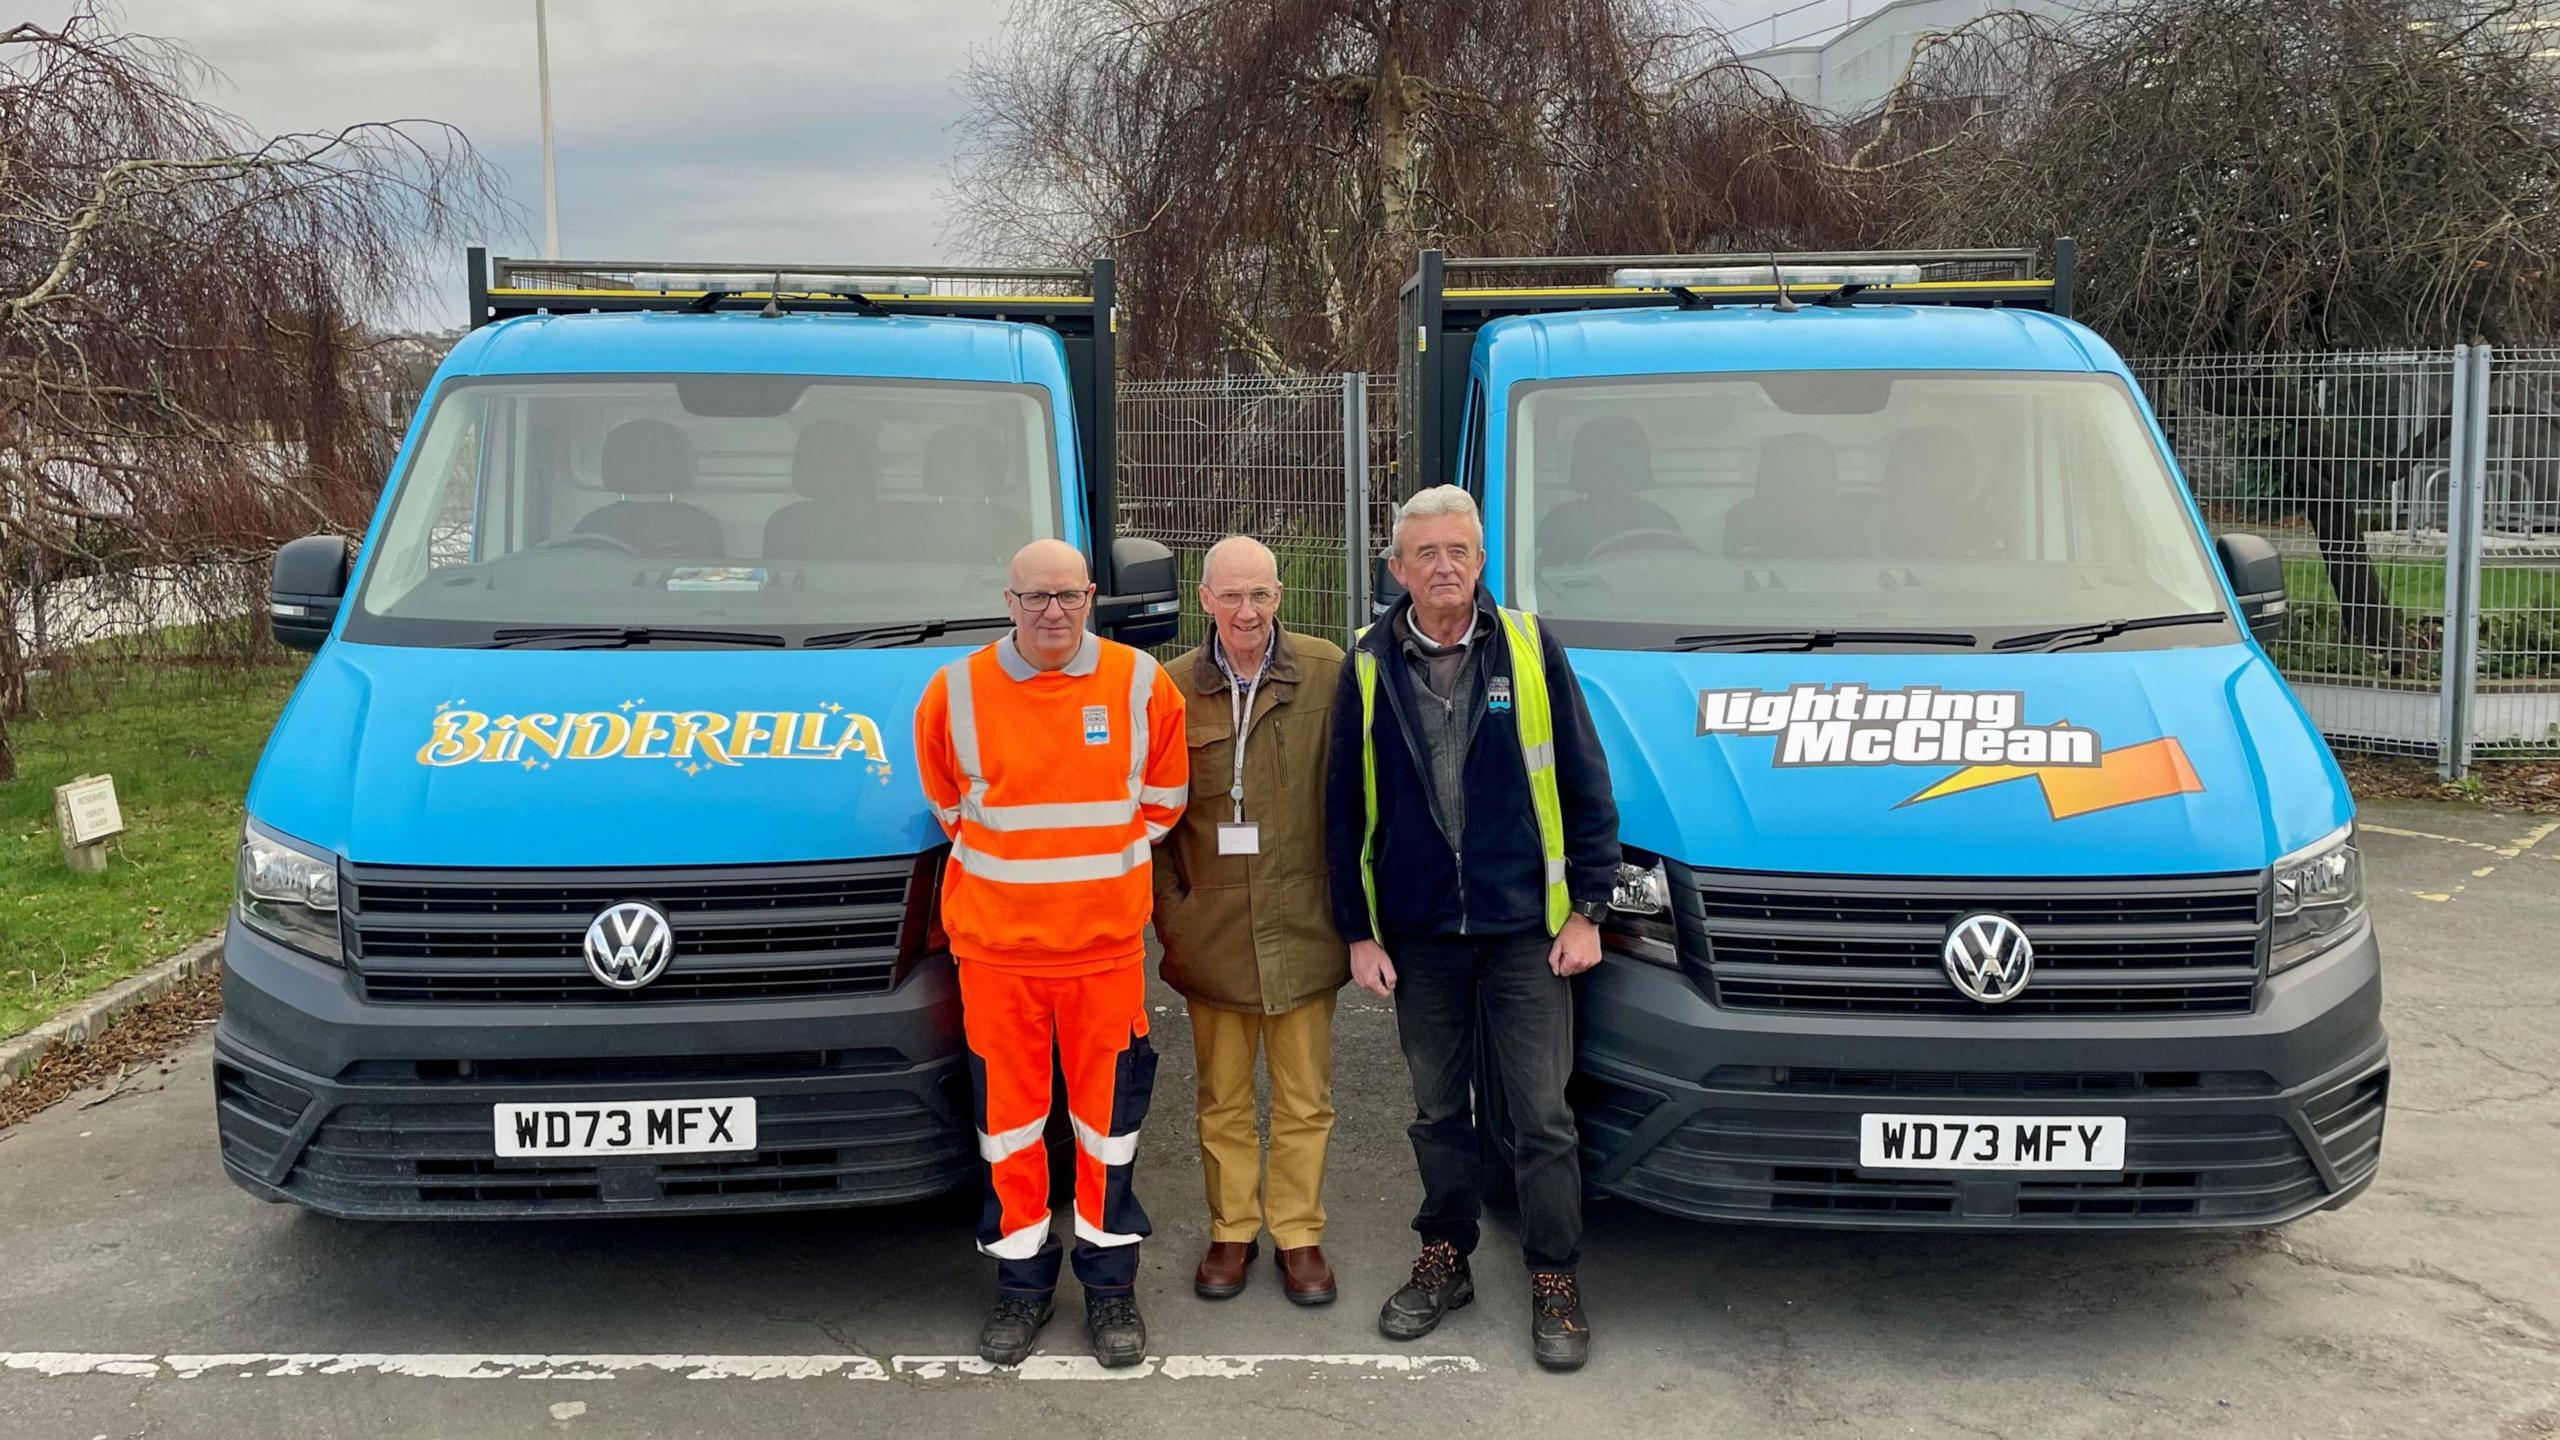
[1820, 1079]
[515, 937]
[616, 1069]
[2184, 1165]
[440, 1158]
[1860, 945]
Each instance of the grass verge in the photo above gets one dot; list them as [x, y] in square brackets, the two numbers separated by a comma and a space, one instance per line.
[180, 743]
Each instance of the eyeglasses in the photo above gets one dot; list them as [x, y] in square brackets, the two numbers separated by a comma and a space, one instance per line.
[1036, 601]
[1260, 597]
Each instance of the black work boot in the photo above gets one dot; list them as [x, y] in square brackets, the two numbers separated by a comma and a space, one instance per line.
[1439, 1285]
[1558, 1334]
[1011, 1327]
[1119, 1336]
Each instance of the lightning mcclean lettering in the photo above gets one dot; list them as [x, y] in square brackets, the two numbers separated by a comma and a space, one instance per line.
[1849, 724]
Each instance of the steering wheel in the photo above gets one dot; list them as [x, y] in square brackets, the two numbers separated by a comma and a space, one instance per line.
[590, 540]
[1654, 538]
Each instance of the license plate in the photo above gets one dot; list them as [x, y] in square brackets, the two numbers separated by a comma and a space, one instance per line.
[1991, 1142]
[631, 1127]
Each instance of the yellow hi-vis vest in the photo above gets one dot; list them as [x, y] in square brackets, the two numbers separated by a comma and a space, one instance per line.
[1536, 723]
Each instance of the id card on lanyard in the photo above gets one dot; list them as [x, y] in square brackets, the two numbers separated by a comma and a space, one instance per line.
[1241, 836]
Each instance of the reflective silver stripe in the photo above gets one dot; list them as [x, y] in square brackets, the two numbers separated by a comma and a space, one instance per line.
[1555, 872]
[1095, 1234]
[1142, 689]
[963, 704]
[1022, 1244]
[992, 1148]
[1065, 815]
[949, 815]
[1064, 870]
[1541, 756]
[1156, 832]
[964, 720]
[1109, 1149]
[1173, 795]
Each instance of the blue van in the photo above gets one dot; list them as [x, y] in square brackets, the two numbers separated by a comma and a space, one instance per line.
[587, 870]
[1980, 869]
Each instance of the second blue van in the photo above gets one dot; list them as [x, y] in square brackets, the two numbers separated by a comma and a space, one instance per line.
[1980, 871]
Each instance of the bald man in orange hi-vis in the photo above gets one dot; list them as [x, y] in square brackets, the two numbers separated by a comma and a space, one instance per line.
[1055, 759]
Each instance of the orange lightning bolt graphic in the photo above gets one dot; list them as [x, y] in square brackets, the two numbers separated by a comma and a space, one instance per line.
[2148, 771]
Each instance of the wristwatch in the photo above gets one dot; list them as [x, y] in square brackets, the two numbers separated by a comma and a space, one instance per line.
[1594, 911]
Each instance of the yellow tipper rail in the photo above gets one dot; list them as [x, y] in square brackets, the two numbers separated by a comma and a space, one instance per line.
[1882, 292]
[1069, 299]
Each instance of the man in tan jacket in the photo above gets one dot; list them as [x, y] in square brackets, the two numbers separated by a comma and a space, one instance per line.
[1243, 909]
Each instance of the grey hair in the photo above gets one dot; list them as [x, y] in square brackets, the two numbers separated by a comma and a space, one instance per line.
[1436, 500]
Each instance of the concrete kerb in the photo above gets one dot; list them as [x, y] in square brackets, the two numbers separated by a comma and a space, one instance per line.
[86, 1019]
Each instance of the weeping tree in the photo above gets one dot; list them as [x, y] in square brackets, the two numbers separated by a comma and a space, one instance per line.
[2248, 177]
[184, 371]
[1264, 170]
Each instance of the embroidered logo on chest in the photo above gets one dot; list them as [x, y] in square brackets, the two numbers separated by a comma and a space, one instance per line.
[1097, 724]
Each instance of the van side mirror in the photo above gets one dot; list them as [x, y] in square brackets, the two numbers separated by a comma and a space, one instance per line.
[1148, 609]
[1384, 591]
[306, 588]
[2257, 578]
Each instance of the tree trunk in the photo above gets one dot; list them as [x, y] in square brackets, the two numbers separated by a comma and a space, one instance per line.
[13, 676]
[1394, 98]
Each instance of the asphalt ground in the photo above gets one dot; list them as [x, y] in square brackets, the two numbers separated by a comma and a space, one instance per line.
[141, 1294]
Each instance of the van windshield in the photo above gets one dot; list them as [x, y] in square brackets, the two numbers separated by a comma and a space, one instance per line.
[1970, 504]
[745, 507]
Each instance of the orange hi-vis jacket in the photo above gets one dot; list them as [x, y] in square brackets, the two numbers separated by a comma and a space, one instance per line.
[1054, 786]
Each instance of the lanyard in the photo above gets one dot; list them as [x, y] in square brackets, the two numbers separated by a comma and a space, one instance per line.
[1240, 705]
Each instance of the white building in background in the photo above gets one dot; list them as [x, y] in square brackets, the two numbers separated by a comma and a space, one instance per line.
[1848, 69]
[1826, 55]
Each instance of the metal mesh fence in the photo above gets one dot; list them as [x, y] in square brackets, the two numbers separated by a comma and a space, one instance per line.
[2515, 705]
[2343, 461]
[1275, 457]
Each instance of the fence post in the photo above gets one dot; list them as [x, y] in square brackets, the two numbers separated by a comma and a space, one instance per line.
[2473, 555]
[1355, 502]
[2464, 512]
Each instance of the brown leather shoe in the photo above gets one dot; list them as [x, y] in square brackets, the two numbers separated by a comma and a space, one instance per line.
[1304, 1275]
[1222, 1270]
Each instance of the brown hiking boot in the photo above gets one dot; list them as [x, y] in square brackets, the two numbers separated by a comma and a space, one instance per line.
[1558, 1335]
[1439, 1285]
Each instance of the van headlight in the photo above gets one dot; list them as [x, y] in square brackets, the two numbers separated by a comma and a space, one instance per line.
[1640, 910]
[2319, 897]
[289, 894]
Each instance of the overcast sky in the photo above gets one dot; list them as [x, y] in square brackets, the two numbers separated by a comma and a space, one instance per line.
[819, 131]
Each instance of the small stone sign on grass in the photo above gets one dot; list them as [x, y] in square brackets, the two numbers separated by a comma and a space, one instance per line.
[85, 817]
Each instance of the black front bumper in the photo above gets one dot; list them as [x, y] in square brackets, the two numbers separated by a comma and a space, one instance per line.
[385, 1111]
[2234, 1120]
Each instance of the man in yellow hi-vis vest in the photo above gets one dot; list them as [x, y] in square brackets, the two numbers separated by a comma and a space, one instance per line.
[1474, 846]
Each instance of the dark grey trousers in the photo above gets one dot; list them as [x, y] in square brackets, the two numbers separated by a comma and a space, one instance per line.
[1453, 994]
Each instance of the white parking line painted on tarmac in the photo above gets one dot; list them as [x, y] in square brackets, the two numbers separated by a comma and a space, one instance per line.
[281, 1365]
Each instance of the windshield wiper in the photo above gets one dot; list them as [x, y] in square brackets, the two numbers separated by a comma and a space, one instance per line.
[2068, 636]
[909, 632]
[1819, 639]
[617, 637]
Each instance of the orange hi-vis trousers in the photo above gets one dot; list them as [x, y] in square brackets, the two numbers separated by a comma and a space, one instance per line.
[1097, 1026]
